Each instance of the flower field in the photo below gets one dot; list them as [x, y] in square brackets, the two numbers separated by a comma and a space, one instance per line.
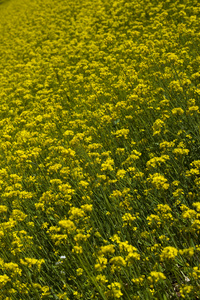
[99, 149]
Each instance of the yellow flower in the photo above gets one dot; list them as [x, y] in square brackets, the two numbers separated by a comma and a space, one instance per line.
[178, 193]
[101, 263]
[3, 280]
[158, 181]
[185, 290]
[164, 145]
[45, 291]
[101, 279]
[139, 280]
[163, 211]
[189, 214]
[121, 133]
[18, 215]
[177, 111]
[154, 219]
[79, 271]
[157, 126]
[115, 290]
[127, 219]
[168, 253]
[197, 206]
[107, 249]
[135, 155]
[126, 246]
[120, 174]
[77, 249]
[175, 86]
[68, 133]
[193, 109]
[156, 276]
[68, 225]
[181, 151]
[13, 268]
[196, 273]
[120, 151]
[118, 261]
[156, 161]
[87, 207]
[81, 237]
[188, 252]
[115, 238]
[163, 208]
[163, 238]
[3, 208]
[31, 262]
[76, 213]
[132, 257]
[84, 183]
[107, 165]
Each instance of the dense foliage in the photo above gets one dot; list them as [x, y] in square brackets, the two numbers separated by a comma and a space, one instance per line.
[99, 149]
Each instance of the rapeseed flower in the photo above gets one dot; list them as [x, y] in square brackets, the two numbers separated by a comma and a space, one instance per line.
[68, 225]
[157, 126]
[3, 280]
[156, 276]
[159, 181]
[169, 253]
[114, 290]
[99, 142]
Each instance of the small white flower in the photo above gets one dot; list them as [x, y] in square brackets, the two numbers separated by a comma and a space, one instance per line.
[59, 262]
